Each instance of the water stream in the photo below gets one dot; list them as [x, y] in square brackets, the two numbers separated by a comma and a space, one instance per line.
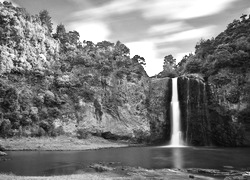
[176, 134]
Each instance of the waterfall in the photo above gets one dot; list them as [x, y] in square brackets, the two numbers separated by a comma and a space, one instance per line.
[176, 134]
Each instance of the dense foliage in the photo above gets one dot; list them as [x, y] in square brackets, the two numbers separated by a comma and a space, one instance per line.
[45, 77]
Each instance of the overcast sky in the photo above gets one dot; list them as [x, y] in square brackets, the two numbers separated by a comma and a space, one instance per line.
[150, 28]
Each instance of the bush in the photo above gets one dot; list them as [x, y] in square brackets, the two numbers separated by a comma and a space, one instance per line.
[10, 101]
[193, 66]
[45, 125]
[49, 99]
[41, 132]
[54, 112]
[82, 134]
[57, 131]
[5, 128]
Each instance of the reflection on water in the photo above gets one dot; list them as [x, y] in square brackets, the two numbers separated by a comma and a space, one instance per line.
[68, 162]
[177, 158]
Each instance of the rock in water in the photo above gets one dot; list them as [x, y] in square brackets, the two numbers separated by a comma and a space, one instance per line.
[3, 153]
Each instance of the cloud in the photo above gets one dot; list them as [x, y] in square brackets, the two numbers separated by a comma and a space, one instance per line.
[168, 28]
[113, 7]
[94, 31]
[183, 9]
[204, 32]
[158, 9]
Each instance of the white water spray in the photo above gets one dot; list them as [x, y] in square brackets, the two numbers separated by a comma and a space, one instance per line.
[176, 134]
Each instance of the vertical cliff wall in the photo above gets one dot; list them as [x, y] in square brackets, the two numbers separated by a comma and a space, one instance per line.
[159, 109]
[194, 112]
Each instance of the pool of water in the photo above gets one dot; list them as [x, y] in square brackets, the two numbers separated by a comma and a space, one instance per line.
[69, 162]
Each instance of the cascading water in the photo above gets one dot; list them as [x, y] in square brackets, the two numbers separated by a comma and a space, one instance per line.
[176, 134]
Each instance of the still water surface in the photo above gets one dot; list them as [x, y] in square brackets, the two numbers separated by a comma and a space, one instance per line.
[69, 162]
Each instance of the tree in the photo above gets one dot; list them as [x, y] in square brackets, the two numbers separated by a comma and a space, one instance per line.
[193, 65]
[121, 49]
[181, 65]
[104, 45]
[243, 17]
[169, 62]
[46, 20]
[139, 59]
[61, 33]
[204, 48]
[74, 37]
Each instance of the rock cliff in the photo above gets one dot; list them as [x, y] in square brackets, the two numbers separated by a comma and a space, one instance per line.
[160, 93]
[194, 111]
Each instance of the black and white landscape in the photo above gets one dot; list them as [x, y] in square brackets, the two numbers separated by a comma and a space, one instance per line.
[124, 90]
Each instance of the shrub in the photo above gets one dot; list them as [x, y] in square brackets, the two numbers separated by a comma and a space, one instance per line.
[5, 128]
[45, 125]
[82, 134]
[41, 132]
[54, 112]
[49, 99]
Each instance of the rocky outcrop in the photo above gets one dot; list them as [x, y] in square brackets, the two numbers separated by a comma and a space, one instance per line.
[3, 153]
[159, 109]
[116, 110]
[228, 108]
[206, 120]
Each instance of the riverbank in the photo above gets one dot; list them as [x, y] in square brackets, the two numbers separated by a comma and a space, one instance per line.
[110, 173]
[114, 172]
[60, 143]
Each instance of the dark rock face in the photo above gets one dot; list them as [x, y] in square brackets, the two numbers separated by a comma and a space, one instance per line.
[194, 112]
[205, 119]
[226, 129]
[159, 109]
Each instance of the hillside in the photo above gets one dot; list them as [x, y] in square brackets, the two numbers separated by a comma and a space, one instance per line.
[53, 84]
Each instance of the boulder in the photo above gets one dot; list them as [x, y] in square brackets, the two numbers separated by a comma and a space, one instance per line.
[3, 153]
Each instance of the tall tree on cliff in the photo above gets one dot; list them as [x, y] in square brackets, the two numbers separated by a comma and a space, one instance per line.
[169, 63]
[46, 20]
[169, 67]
